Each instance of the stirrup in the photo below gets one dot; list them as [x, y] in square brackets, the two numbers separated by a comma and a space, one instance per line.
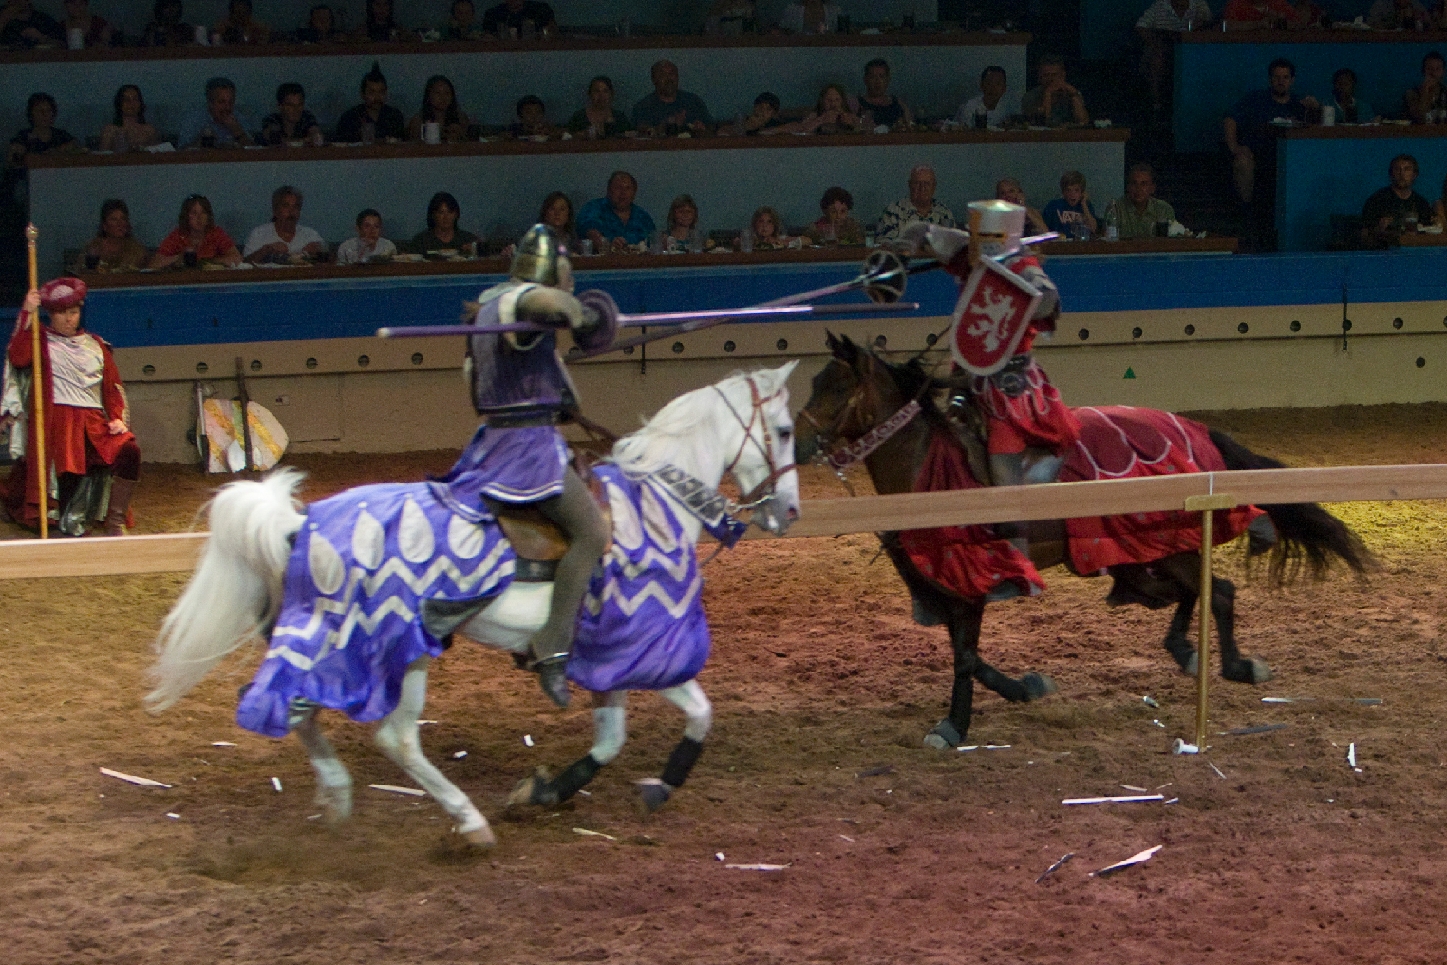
[552, 672]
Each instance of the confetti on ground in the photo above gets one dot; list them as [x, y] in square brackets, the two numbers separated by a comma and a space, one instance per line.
[847, 838]
[1054, 867]
[984, 747]
[397, 789]
[458, 755]
[757, 867]
[1352, 754]
[1134, 859]
[275, 781]
[172, 814]
[527, 738]
[593, 834]
[1124, 799]
[1219, 772]
[223, 743]
[1148, 700]
[718, 856]
[132, 779]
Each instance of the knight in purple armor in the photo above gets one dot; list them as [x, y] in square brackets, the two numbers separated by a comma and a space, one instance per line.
[518, 457]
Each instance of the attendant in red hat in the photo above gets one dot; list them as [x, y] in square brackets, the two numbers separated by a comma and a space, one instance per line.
[85, 409]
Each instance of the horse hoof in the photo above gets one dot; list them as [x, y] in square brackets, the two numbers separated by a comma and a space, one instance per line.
[944, 736]
[652, 794]
[336, 804]
[1038, 685]
[1260, 670]
[532, 789]
[1248, 670]
[1190, 667]
[479, 837]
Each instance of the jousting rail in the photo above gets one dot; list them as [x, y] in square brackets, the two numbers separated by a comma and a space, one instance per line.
[1194, 492]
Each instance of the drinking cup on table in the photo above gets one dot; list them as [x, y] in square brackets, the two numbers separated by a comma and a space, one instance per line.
[190, 260]
[201, 37]
[1328, 115]
[982, 120]
[75, 38]
[585, 246]
[432, 133]
[369, 132]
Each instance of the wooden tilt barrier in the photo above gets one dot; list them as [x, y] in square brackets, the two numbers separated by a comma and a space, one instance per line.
[1194, 492]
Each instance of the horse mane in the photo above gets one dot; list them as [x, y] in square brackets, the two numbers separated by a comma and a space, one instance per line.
[672, 435]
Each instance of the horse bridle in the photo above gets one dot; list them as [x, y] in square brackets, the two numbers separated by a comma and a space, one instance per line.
[764, 491]
[840, 455]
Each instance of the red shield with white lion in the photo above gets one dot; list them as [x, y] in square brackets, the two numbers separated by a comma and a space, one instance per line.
[991, 317]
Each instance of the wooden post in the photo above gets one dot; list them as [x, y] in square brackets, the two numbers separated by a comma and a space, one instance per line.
[37, 444]
[1206, 506]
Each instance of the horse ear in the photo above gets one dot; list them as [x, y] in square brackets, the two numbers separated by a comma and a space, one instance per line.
[846, 351]
[831, 342]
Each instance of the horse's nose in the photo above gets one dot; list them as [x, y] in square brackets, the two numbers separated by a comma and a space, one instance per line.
[793, 514]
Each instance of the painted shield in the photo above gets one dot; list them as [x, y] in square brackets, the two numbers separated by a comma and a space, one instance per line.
[990, 318]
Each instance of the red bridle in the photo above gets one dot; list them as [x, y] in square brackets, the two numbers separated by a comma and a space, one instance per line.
[764, 489]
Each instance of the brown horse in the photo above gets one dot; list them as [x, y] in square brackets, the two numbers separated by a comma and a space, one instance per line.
[858, 391]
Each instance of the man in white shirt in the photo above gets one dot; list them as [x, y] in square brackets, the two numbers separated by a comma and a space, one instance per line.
[996, 103]
[283, 239]
[919, 206]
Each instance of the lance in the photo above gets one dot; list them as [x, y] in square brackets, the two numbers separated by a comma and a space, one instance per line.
[42, 468]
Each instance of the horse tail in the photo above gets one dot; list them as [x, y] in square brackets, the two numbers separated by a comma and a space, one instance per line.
[1308, 536]
[236, 590]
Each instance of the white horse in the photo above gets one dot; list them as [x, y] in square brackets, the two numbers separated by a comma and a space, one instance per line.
[344, 592]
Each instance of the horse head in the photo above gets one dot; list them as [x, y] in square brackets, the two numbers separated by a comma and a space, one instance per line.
[852, 394]
[764, 465]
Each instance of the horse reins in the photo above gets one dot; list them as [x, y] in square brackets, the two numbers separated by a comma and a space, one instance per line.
[753, 497]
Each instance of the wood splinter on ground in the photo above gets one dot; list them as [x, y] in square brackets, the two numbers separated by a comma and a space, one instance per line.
[1124, 799]
[397, 789]
[757, 867]
[1135, 859]
[593, 834]
[1055, 867]
[132, 779]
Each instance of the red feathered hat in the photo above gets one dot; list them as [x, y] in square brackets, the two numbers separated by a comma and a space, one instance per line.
[59, 294]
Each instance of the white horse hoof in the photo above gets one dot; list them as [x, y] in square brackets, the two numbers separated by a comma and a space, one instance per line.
[936, 742]
[479, 837]
[336, 804]
[1260, 670]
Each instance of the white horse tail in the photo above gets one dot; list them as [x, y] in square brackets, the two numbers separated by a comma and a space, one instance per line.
[236, 590]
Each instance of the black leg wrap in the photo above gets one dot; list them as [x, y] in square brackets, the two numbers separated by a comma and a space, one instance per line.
[681, 762]
[577, 776]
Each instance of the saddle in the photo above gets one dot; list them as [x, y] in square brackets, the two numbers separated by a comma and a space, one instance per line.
[538, 542]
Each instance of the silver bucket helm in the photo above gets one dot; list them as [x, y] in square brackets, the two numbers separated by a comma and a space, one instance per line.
[536, 257]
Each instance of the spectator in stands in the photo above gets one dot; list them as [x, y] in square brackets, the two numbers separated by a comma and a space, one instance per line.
[240, 27]
[1008, 189]
[831, 115]
[283, 239]
[41, 136]
[763, 119]
[1350, 109]
[1071, 214]
[1251, 136]
[113, 248]
[168, 27]
[368, 245]
[220, 124]
[1439, 209]
[1427, 102]
[439, 105]
[995, 102]
[730, 18]
[96, 31]
[442, 234]
[196, 239]
[599, 118]
[515, 15]
[810, 17]
[21, 25]
[128, 130]
[291, 123]
[921, 205]
[1158, 29]
[669, 110]
[682, 234]
[379, 25]
[321, 27]
[462, 23]
[557, 213]
[1053, 102]
[836, 226]
[386, 122]
[1397, 208]
[1137, 214]
[1258, 15]
[768, 230]
[877, 106]
[1397, 15]
[532, 119]
[614, 222]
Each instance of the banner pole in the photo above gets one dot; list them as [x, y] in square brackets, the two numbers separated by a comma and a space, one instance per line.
[42, 467]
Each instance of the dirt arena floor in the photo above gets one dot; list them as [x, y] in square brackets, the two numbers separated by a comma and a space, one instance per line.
[1273, 849]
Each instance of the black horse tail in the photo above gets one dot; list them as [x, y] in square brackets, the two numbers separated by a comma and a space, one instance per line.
[1308, 537]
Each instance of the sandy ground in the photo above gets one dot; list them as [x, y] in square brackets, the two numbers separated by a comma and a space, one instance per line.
[823, 689]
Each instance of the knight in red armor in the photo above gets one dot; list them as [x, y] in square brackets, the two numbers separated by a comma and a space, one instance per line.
[1006, 301]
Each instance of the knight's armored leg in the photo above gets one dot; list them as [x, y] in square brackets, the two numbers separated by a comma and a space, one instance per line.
[577, 515]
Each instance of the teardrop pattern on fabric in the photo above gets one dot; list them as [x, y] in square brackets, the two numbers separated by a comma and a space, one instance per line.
[369, 542]
[627, 530]
[414, 534]
[327, 569]
[463, 538]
